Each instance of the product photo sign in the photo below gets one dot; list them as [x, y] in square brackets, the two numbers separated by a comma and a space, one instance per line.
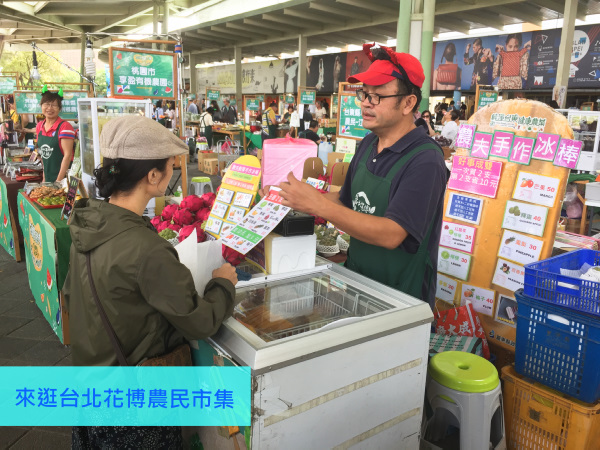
[446, 288]
[464, 208]
[454, 263]
[534, 188]
[458, 236]
[509, 275]
[520, 247]
[475, 176]
[530, 219]
[482, 299]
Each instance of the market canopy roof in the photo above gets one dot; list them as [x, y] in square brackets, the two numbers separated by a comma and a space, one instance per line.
[212, 28]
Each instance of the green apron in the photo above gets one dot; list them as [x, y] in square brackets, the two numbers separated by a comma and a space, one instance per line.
[50, 153]
[268, 127]
[396, 268]
[206, 131]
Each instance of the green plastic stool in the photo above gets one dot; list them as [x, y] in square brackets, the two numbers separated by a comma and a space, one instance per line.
[199, 184]
[463, 391]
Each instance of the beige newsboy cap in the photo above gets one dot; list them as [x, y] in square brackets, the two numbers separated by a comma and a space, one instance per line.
[138, 137]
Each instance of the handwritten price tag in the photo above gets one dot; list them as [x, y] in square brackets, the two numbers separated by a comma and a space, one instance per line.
[457, 236]
[534, 188]
[454, 263]
[482, 299]
[530, 219]
[446, 288]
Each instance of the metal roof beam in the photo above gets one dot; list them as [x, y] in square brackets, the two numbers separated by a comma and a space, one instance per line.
[458, 7]
[337, 11]
[270, 25]
[294, 22]
[559, 7]
[372, 6]
[485, 20]
[249, 29]
[214, 34]
[454, 24]
[302, 15]
[133, 12]
[224, 32]
[522, 13]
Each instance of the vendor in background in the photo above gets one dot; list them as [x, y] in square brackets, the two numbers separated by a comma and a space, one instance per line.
[206, 124]
[269, 121]
[288, 115]
[55, 138]
[391, 203]
[426, 122]
[192, 107]
[228, 112]
[321, 112]
[311, 133]
[159, 113]
[148, 295]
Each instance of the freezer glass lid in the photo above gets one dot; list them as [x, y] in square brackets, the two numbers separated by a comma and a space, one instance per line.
[290, 307]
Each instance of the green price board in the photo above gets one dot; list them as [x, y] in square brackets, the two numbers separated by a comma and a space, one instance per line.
[142, 74]
[213, 95]
[350, 118]
[260, 98]
[289, 99]
[252, 104]
[28, 102]
[8, 85]
[308, 97]
[487, 98]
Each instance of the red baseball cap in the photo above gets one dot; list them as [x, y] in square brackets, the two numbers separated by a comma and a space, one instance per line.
[400, 66]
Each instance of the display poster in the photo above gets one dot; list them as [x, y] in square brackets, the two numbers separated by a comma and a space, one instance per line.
[475, 175]
[520, 248]
[568, 153]
[213, 94]
[70, 200]
[458, 236]
[236, 194]
[142, 73]
[7, 237]
[507, 310]
[446, 288]
[509, 275]
[343, 145]
[482, 299]
[526, 218]
[252, 104]
[585, 60]
[464, 208]
[482, 143]
[350, 117]
[486, 98]
[534, 188]
[308, 97]
[257, 224]
[8, 84]
[518, 122]
[40, 257]
[543, 60]
[454, 263]
[28, 102]
[464, 138]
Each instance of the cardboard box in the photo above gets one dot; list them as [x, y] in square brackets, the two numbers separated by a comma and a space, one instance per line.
[211, 166]
[332, 158]
[202, 157]
[338, 176]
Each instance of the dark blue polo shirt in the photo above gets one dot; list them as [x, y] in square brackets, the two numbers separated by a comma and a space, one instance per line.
[417, 191]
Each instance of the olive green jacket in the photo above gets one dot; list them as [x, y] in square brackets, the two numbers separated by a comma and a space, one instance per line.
[148, 295]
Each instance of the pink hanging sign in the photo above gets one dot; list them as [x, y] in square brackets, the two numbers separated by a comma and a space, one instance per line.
[481, 145]
[521, 150]
[464, 138]
[501, 144]
[476, 176]
[546, 146]
[568, 153]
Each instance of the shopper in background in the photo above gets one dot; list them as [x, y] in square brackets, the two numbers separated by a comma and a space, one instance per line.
[311, 133]
[288, 115]
[425, 122]
[171, 116]
[228, 112]
[321, 111]
[450, 129]
[269, 121]
[148, 295]
[192, 107]
[159, 113]
[441, 113]
[206, 124]
[463, 112]
[391, 210]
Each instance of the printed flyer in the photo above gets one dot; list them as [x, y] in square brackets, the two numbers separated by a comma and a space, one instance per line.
[482, 299]
[476, 176]
[534, 188]
[509, 275]
[457, 236]
[446, 288]
[520, 248]
[530, 219]
[454, 263]
[464, 208]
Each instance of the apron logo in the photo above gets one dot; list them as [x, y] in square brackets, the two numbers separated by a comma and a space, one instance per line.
[46, 151]
[361, 204]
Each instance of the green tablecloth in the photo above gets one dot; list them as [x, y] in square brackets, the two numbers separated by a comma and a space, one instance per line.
[255, 139]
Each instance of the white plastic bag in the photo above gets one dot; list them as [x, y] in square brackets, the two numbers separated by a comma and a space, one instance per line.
[201, 258]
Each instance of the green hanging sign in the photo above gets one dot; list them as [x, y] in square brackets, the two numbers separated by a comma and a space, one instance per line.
[28, 102]
[212, 94]
[487, 98]
[350, 118]
[308, 97]
[260, 98]
[142, 73]
[8, 84]
[290, 99]
[252, 104]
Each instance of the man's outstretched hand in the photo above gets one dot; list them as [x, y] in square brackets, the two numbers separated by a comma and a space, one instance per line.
[301, 196]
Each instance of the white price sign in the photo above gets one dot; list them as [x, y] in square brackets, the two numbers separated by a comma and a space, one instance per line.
[520, 248]
[482, 299]
[534, 188]
[457, 236]
[454, 263]
[446, 288]
[509, 275]
[530, 219]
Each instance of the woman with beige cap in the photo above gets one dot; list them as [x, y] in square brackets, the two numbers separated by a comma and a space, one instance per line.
[147, 294]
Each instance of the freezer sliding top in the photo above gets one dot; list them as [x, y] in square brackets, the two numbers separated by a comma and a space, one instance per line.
[277, 323]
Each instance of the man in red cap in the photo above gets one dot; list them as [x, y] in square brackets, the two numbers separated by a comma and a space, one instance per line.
[391, 203]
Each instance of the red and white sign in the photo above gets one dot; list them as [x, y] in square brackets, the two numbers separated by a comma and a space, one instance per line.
[482, 299]
[534, 188]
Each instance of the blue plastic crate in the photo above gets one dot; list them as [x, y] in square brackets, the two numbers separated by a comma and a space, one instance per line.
[558, 347]
[543, 281]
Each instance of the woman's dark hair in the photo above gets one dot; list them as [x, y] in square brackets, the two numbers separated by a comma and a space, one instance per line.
[122, 175]
[454, 115]
[449, 53]
[516, 36]
[405, 86]
[478, 41]
[426, 112]
[50, 97]
[210, 110]
[159, 103]
[214, 104]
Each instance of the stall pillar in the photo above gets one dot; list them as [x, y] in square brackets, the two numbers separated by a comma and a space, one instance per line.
[416, 29]
[564, 53]
[193, 60]
[427, 49]
[155, 14]
[237, 56]
[456, 98]
[165, 23]
[302, 44]
[82, 58]
[403, 27]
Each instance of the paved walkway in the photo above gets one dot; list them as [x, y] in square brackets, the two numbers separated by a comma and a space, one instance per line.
[26, 339]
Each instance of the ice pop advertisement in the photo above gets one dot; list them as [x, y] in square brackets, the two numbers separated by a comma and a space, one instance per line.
[530, 219]
[454, 263]
[457, 236]
[534, 188]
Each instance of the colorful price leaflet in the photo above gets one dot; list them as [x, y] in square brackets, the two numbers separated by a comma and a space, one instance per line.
[509, 275]
[482, 299]
[318, 184]
[530, 219]
[465, 208]
[475, 175]
[545, 147]
[225, 195]
[534, 188]
[446, 288]
[458, 236]
[257, 224]
[568, 153]
[520, 248]
[464, 137]
[454, 263]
